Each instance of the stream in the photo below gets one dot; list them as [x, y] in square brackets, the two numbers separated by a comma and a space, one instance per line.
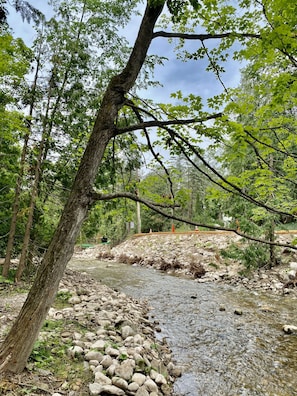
[221, 352]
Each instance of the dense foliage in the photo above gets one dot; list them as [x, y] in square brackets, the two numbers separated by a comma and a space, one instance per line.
[245, 172]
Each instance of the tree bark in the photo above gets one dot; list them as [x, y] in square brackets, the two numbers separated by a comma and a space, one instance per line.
[18, 344]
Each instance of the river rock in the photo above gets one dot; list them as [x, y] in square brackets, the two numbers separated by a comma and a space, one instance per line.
[139, 378]
[75, 351]
[93, 355]
[293, 266]
[120, 383]
[142, 391]
[289, 329]
[133, 387]
[150, 385]
[74, 300]
[106, 361]
[99, 344]
[112, 351]
[102, 379]
[112, 390]
[127, 331]
[125, 370]
[95, 389]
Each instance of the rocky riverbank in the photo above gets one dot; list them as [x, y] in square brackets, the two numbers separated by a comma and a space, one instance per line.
[199, 255]
[96, 341]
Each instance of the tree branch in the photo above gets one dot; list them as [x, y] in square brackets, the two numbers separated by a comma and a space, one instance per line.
[162, 124]
[156, 207]
[206, 36]
[96, 196]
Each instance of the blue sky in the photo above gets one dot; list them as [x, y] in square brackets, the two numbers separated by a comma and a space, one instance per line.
[189, 77]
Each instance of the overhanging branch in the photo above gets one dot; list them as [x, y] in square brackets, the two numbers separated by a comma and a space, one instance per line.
[162, 124]
[206, 36]
[156, 207]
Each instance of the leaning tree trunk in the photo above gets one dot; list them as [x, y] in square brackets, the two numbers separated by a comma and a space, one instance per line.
[18, 344]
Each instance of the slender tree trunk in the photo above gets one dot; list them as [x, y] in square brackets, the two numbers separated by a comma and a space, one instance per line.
[43, 152]
[18, 344]
[271, 238]
[138, 217]
[34, 194]
[18, 188]
[15, 210]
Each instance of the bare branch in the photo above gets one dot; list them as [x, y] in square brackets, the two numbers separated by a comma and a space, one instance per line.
[206, 36]
[269, 145]
[163, 124]
[95, 196]
[156, 207]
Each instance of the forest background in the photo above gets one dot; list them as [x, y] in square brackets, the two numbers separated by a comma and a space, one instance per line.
[212, 156]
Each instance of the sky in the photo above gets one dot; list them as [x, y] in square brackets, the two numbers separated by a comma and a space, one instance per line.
[189, 77]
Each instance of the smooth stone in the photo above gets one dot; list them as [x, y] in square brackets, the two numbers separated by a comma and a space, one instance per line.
[139, 378]
[125, 370]
[106, 361]
[102, 379]
[150, 385]
[127, 331]
[74, 300]
[120, 383]
[95, 389]
[142, 391]
[289, 329]
[133, 387]
[93, 355]
[112, 390]
[99, 344]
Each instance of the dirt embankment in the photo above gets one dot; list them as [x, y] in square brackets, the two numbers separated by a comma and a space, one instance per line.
[199, 255]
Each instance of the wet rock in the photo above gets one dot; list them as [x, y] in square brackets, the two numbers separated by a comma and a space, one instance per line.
[238, 311]
[289, 329]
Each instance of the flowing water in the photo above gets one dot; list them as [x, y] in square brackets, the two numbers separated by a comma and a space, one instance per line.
[222, 353]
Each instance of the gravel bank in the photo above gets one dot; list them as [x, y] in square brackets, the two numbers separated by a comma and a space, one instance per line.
[104, 334]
